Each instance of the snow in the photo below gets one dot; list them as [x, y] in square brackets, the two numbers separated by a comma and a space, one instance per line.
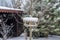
[22, 37]
[30, 19]
[58, 9]
[2, 7]
[55, 5]
[58, 18]
[48, 3]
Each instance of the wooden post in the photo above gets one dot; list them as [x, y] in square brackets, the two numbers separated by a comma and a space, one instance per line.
[30, 21]
[30, 31]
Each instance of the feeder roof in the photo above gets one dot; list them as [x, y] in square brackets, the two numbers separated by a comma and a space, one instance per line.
[34, 19]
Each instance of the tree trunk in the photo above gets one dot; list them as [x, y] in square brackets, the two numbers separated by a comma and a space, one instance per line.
[5, 37]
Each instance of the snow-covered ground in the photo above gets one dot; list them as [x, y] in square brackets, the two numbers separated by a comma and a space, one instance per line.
[23, 38]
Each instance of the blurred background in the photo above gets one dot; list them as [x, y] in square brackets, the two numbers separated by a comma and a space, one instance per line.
[47, 12]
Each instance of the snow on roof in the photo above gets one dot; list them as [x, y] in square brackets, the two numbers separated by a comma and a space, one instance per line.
[7, 8]
[30, 19]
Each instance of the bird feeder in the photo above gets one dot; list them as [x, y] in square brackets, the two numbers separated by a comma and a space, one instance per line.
[30, 22]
